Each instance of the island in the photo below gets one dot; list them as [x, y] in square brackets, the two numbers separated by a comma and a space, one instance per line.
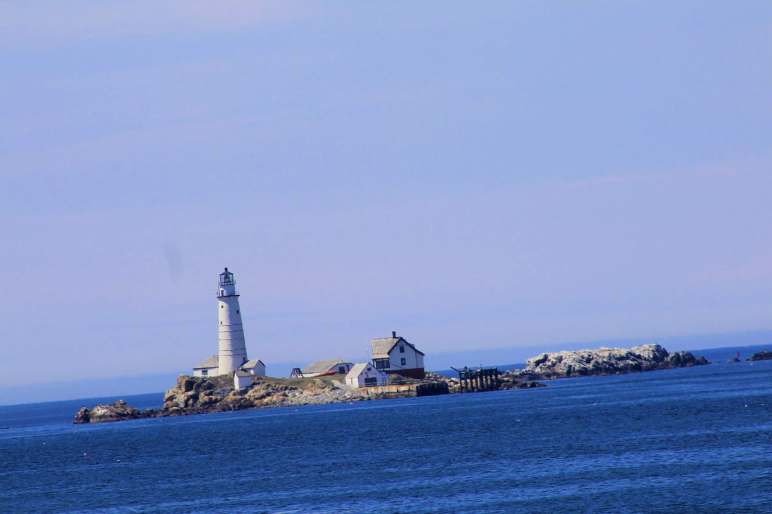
[199, 395]
[608, 361]
[763, 355]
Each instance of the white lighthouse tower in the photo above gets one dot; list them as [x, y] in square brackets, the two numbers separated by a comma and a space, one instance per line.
[232, 352]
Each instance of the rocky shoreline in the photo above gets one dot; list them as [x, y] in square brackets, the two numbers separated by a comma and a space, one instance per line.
[118, 411]
[200, 395]
[607, 361]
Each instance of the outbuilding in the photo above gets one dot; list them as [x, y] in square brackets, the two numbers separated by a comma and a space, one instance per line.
[365, 375]
[242, 380]
[207, 368]
[210, 367]
[254, 367]
[327, 367]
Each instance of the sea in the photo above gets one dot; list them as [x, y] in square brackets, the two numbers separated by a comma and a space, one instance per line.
[683, 440]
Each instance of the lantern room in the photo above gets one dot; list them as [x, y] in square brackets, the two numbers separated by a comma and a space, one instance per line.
[227, 284]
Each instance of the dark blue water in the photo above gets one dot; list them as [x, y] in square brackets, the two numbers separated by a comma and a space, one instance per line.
[688, 440]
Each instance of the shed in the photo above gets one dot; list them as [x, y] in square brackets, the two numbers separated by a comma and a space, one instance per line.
[327, 367]
[241, 380]
[254, 367]
[364, 374]
[209, 367]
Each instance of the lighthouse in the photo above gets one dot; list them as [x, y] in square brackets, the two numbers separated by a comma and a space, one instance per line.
[230, 336]
[231, 347]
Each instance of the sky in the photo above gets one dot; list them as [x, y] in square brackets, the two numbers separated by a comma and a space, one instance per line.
[497, 175]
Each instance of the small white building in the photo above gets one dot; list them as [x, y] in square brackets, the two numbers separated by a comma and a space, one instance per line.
[395, 355]
[242, 380]
[365, 375]
[210, 367]
[327, 367]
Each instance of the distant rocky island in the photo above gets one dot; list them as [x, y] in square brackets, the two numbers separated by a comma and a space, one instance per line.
[199, 395]
[608, 361]
[230, 380]
[763, 355]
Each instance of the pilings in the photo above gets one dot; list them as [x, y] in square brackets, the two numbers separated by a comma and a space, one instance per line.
[482, 379]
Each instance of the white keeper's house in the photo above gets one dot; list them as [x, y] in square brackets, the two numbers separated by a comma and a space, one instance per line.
[394, 355]
[232, 348]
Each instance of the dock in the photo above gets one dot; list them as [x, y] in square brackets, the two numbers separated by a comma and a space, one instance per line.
[480, 379]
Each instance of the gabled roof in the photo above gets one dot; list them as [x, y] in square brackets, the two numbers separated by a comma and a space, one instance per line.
[322, 366]
[356, 369]
[252, 364]
[381, 347]
[209, 363]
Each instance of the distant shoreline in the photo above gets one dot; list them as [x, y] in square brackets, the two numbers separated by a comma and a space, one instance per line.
[202, 395]
[716, 354]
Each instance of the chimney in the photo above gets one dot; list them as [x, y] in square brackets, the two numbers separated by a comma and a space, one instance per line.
[394, 333]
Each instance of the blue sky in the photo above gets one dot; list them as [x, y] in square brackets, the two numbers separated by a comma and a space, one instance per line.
[510, 174]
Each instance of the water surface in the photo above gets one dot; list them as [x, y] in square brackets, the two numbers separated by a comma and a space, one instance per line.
[692, 440]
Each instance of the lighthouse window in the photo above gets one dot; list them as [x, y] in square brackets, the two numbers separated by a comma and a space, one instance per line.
[222, 306]
[238, 311]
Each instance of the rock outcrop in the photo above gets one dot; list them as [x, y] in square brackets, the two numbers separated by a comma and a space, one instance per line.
[193, 395]
[198, 395]
[514, 380]
[607, 361]
[118, 411]
[764, 355]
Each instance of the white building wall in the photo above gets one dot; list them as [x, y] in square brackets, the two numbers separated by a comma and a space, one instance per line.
[230, 337]
[371, 372]
[368, 372]
[412, 358]
[258, 371]
[240, 383]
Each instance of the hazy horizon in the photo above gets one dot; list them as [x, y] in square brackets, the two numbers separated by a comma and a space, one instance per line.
[506, 176]
[158, 382]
